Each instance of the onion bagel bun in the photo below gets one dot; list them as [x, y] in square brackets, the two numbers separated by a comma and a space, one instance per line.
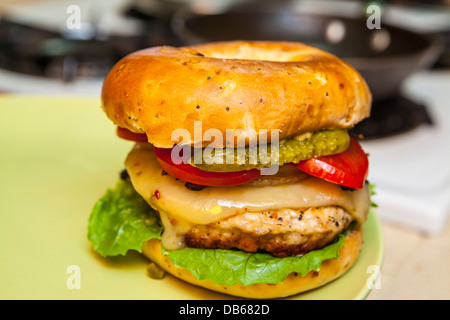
[234, 85]
[238, 224]
[293, 284]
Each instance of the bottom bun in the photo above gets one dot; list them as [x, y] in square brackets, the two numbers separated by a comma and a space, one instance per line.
[293, 284]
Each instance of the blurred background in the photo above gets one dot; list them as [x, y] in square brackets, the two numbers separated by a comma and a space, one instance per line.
[69, 46]
[401, 47]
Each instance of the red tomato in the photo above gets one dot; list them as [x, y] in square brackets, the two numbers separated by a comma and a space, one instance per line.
[349, 168]
[188, 173]
[133, 136]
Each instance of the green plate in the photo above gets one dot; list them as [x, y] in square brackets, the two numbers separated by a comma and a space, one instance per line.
[58, 156]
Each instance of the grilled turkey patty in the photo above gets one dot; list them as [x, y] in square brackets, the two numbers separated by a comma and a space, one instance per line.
[285, 232]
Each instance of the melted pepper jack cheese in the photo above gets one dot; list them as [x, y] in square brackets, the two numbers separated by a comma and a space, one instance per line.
[181, 209]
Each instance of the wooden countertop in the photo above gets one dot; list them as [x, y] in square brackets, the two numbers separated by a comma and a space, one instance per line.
[415, 267]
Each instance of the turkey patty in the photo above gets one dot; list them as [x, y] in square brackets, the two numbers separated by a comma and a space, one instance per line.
[285, 232]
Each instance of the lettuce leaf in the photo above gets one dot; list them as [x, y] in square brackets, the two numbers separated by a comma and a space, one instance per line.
[122, 220]
[229, 267]
[372, 193]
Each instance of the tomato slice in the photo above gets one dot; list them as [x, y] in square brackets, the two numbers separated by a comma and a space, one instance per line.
[349, 168]
[132, 136]
[188, 173]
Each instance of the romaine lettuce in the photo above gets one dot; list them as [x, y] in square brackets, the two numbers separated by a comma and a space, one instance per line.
[229, 267]
[122, 220]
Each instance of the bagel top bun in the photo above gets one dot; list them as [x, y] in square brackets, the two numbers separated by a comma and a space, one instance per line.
[242, 86]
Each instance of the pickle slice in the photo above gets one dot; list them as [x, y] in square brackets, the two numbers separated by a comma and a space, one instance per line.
[292, 150]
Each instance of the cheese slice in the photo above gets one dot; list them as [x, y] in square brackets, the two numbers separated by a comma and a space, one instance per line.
[180, 208]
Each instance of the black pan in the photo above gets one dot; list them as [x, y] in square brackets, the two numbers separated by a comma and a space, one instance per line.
[384, 57]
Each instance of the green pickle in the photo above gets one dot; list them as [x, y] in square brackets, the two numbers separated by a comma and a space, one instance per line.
[292, 150]
[155, 272]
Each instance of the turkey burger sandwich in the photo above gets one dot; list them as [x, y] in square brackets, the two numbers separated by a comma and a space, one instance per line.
[243, 178]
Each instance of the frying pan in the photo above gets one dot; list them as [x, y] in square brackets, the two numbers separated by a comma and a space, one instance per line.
[384, 57]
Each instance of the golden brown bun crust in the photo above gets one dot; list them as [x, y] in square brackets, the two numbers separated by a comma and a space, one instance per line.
[293, 284]
[240, 85]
